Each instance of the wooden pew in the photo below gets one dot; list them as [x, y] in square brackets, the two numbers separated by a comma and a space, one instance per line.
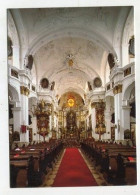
[18, 173]
[112, 159]
[37, 158]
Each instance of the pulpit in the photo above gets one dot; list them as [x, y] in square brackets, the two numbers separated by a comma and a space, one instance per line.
[42, 113]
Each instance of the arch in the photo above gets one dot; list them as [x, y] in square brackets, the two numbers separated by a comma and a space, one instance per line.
[23, 35]
[128, 32]
[128, 28]
[103, 68]
[76, 72]
[127, 91]
[22, 46]
[46, 37]
[79, 91]
[14, 92]
[10, 49]
[32, 95]
[86, 72]
[71, 95]
[117, 39]
[107, 73]
[12, 30]
[32, 103]
[13, 34]
[109, 98]
[34, 74]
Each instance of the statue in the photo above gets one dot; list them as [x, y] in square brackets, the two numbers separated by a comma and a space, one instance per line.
[42, 103]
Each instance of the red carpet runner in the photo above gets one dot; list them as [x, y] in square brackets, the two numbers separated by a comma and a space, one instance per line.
[73, 171]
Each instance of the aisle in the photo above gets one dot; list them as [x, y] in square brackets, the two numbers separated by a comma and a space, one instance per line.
[73, 171]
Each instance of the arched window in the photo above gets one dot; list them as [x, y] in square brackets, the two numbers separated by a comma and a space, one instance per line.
[132, 47]
[89, 86]
[97, 82]
[30, 62]
[44, 83]
[111, 60]
[10, 49]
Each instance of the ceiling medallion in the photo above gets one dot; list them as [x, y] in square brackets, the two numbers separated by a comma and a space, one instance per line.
[70, 60]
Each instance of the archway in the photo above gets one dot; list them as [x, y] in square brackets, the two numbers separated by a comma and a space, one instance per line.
[71, 115]
[129, 114]
[33, 136]
[110, 118]
[14, 115]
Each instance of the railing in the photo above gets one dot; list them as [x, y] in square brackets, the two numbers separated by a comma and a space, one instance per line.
[129, 70]
[126, 71]
[109, 86]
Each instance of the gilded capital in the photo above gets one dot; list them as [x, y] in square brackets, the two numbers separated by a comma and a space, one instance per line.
[117, 89]
[93, 104]
[24, 90]
[27, 92]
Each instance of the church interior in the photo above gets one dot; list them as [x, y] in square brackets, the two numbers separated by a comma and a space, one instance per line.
[71, 90]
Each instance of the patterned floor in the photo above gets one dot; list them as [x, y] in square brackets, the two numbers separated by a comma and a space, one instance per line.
[49, 178]
[95, 171]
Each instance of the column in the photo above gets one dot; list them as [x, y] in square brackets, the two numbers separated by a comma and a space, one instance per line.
[24, 113]
[125, 119]
[50, 126]
[56, 126]
[93, 117]
[107, 135]
[125, 59]
[118, 112]
[16, 119]
[16, 56]
[35, 129]
[23, 57]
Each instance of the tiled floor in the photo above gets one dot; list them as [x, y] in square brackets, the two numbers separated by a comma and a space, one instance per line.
[49, 178]
[95, 171]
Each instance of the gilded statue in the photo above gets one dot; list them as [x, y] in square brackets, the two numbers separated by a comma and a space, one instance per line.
[42, 103]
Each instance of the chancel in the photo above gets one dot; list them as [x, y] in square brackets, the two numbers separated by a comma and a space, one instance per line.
[72, 97]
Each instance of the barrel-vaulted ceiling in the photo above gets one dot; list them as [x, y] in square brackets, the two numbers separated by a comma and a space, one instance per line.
[69, 45]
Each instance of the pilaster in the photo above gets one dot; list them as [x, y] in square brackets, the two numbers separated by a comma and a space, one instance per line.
[35, 130]
[93, 118]
[16, 61]
[118, 111]
[24, 112]
[16, 119]
[125, 118]
[107, 135]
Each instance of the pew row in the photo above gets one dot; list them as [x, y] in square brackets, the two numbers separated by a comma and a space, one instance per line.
[29, 165]
[116, 162]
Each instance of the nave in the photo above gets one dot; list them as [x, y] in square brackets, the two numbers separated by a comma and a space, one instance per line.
[71, 94]
[90, 164]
